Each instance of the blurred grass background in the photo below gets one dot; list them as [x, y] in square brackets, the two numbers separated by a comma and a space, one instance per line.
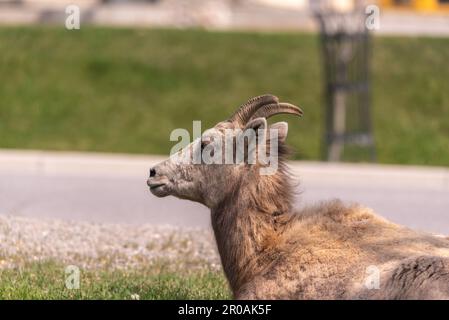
[125, 90]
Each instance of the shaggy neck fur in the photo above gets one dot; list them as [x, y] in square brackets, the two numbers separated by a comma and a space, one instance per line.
[248, 222]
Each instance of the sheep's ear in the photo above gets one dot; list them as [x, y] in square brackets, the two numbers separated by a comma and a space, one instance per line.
[255, 124]
[281, 128]
[259, 125]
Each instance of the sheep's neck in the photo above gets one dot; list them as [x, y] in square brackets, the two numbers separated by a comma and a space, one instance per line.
[247, 231]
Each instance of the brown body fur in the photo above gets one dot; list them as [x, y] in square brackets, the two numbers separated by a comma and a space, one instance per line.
[321, 252]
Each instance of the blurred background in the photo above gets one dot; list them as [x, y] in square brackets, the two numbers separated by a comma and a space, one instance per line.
[142, 68]
[87, 105]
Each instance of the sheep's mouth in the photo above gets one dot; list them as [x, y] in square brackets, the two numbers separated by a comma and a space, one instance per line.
[157, 185]
[158, 189]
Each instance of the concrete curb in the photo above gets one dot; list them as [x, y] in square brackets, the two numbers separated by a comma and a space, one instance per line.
[75, 163]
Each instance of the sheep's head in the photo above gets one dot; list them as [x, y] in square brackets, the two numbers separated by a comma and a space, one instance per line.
[213, 165]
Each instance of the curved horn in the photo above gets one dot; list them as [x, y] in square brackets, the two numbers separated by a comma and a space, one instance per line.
[245, 112]
[277, 108]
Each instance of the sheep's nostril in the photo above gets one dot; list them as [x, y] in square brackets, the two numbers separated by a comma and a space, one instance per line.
[152, 172]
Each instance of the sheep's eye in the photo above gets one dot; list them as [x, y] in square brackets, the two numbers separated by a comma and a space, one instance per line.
[203, 145]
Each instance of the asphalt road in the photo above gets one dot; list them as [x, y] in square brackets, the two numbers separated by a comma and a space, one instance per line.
[112, 189]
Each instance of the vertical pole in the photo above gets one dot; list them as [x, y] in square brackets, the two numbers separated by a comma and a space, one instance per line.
[345, 43]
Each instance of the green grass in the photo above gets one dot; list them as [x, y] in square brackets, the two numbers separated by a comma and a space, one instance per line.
[120, 90]
[47, 281]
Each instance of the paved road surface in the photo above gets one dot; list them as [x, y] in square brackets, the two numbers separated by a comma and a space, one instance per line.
[105, 188]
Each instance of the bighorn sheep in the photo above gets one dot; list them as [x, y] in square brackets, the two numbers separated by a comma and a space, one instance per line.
[269, 251]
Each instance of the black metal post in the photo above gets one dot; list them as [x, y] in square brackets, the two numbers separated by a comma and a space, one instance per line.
[346, 51]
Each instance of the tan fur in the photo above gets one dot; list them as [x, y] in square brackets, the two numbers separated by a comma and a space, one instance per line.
[324, 253]
[321, 252]
[270, 251]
